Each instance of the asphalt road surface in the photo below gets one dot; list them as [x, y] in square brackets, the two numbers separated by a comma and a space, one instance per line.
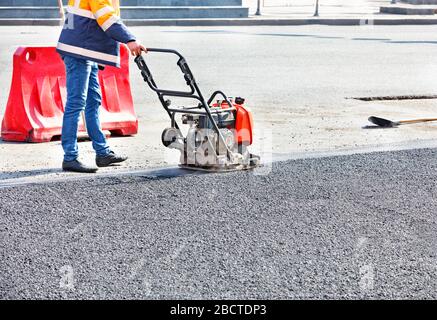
[356, 226]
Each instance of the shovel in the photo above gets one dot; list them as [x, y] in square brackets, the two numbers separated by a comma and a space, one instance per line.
[385, 123]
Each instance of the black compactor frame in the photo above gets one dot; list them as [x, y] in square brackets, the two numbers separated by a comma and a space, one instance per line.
[203, 108]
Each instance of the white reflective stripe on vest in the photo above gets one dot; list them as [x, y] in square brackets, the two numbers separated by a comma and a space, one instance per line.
[88, 53]
[76, 3]
[108, 23]
[103, 11]
[80, 12]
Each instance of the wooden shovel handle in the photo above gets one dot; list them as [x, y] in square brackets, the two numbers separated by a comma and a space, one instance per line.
[417, 121]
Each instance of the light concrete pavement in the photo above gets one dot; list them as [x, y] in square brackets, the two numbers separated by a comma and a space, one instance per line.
[295, 79]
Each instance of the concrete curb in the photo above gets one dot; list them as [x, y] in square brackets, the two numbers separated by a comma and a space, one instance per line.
[284, 22]
[30, 22]
[243, 22]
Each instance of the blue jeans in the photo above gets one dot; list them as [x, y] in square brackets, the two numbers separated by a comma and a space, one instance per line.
[83, 93]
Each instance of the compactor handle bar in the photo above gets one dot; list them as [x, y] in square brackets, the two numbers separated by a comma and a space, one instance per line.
[194, 92]
[182, 63]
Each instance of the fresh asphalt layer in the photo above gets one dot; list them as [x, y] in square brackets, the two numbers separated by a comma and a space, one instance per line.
[355, 226]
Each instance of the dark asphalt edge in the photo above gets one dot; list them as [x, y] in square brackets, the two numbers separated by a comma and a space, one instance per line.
[175, 171]
[395, 98]
[241, 22]
[161, 172]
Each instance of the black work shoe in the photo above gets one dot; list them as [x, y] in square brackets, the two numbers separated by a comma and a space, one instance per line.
[77, 166]
[111, 158]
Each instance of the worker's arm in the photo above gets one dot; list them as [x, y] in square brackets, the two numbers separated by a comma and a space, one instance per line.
[107, 18]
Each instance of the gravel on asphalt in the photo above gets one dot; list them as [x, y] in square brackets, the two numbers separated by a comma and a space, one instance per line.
[356, 226]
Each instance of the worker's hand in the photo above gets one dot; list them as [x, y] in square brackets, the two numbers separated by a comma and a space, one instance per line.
[135, 48]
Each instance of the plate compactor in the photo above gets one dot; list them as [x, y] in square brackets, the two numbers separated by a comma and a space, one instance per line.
[219, 129]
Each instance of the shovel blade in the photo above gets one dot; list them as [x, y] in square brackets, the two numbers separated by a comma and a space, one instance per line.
[384, 123]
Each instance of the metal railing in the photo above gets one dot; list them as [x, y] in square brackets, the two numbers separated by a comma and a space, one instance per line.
[258, 8]
[316, 12]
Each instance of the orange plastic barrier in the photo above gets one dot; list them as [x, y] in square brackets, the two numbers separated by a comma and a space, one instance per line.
[37, 97]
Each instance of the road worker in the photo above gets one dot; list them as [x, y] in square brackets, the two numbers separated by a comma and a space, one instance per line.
[90, 39]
